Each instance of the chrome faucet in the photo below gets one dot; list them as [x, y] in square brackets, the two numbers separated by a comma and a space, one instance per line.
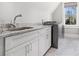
[12, 25]
[16, 17]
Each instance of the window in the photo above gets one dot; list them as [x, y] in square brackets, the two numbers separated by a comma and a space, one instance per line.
[70, 13]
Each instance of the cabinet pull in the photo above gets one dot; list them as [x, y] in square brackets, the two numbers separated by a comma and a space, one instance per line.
[28, 48]
[47, 36]
[25, 50]
[31, 46]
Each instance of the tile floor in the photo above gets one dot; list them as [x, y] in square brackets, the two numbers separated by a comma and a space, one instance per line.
[68, 46]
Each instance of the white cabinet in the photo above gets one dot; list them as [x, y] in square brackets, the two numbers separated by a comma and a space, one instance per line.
[16, 40]
[27, 49]
[23, 44]
[44, 40]
[2, 44]
[48, 38]
[29, 44]
[42, 48]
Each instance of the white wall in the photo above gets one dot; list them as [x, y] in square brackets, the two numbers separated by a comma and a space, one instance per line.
[58, 13]
[58, 16]
[32, 12]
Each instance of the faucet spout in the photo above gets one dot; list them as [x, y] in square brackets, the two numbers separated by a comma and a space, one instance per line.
[16, 17]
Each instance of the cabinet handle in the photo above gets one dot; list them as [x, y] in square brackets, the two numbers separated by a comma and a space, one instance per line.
[31, 46]
[25, 50]
[47, 36]
[28, 48]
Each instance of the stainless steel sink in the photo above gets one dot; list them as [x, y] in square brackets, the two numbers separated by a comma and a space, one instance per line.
[19, 28]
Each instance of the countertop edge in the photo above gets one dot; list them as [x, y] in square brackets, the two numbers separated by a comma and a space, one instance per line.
[22, 32]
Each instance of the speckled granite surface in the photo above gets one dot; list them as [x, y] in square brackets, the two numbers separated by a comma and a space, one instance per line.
[12, 33]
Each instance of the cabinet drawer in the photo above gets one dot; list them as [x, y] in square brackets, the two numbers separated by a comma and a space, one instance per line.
[14, 41]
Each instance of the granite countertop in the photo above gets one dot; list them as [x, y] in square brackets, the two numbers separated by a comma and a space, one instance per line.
[13, 33]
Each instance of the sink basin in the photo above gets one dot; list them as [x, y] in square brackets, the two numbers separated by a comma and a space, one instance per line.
[20, 28]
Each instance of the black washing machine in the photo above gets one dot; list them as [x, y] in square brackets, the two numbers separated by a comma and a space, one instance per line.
[54, 35]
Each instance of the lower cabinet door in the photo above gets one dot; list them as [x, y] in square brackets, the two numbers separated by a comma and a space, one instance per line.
[33, 48]
[47, 42]
[27, 49]
[49, 38]
[42, 48]
[21, 50]
[42, 41]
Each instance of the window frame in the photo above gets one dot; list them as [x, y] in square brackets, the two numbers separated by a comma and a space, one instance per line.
[76, 15]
